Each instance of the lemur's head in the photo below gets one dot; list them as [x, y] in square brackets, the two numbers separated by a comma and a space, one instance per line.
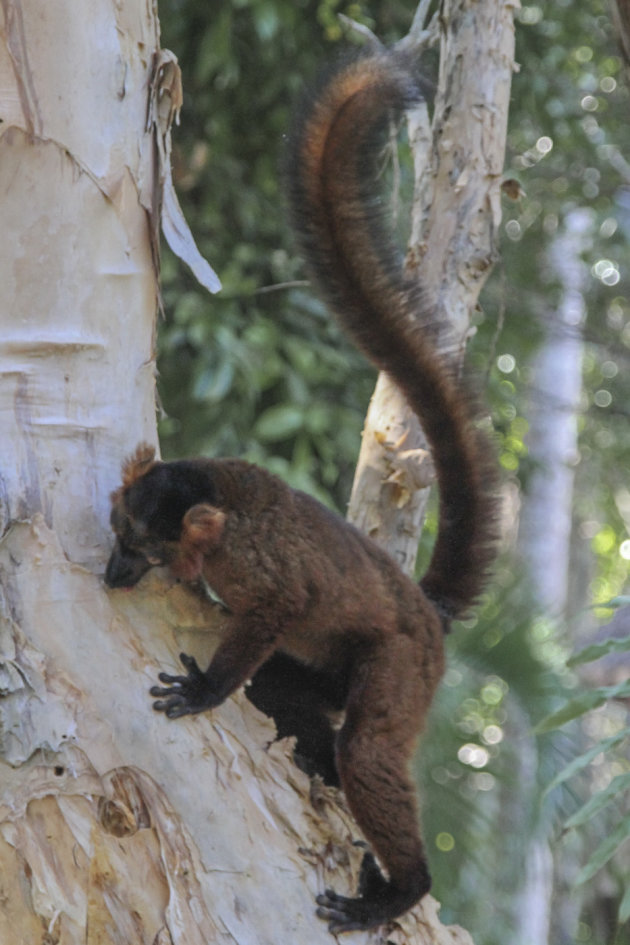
[162, 514]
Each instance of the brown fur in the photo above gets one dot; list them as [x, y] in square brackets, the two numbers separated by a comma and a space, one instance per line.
[299, 579]
[357, 267]
[296, 579]
[139, 463]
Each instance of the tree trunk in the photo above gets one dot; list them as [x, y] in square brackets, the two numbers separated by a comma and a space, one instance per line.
[546, 520]
[117, 826]
[556, 385]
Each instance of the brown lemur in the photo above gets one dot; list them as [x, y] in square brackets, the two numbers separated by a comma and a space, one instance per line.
[308, 597]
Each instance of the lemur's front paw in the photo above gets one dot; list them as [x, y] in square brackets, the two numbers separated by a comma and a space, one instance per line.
[184, 695]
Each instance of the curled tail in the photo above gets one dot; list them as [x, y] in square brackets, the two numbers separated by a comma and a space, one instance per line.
[338, 218]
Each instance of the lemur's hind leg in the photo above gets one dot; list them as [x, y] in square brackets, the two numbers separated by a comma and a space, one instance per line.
[300, 700]
[387, 703]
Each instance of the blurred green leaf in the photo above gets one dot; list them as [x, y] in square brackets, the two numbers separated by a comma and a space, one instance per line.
[584, 760]
[605, 851]
[212, 384]
[597, 650]
[278, 423]
[590, 699]
[596, 803]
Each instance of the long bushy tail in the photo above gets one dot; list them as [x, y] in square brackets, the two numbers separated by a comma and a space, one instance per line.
[338, 218]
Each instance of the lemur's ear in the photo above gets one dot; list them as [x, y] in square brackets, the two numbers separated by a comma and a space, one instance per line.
[138, 464]
[202, 527]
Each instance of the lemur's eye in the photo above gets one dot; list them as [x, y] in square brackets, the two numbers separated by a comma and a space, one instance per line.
[154, 559]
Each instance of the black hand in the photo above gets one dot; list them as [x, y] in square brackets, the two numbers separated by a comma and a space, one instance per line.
[184, 695]
[345, 914]
[379, 900]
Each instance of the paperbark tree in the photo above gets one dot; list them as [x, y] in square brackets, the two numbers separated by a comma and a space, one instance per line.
[117, 826]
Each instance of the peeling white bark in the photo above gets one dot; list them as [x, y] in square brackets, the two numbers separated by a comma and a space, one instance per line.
[79, 288]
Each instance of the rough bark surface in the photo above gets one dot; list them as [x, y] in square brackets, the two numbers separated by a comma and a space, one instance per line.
[116, 825]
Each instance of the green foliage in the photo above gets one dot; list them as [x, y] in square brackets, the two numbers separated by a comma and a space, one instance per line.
[606, 805]
[483, 769]
[259, 371]
[225, 361]
[568, 143]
